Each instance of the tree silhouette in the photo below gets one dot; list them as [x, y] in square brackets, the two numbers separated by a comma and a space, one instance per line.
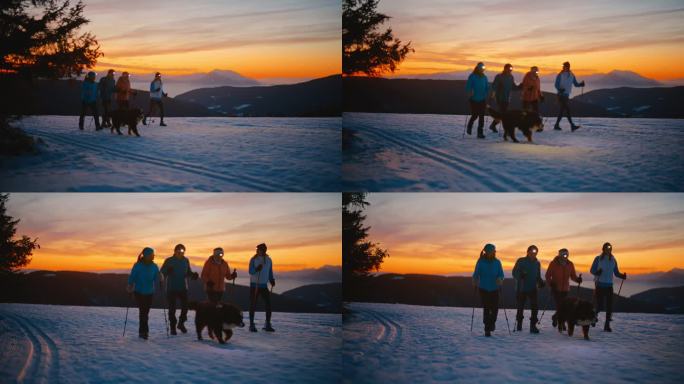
[14, 253]
[38, 39]
[365, 49]
[359, 256]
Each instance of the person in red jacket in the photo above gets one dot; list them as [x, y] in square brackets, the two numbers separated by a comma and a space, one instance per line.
[531, 90]
[558, 276]
[214, 273]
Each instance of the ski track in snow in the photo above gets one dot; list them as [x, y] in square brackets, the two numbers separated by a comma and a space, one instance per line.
[396, 343]
[190, 154]
[397, 152]
[45, 344]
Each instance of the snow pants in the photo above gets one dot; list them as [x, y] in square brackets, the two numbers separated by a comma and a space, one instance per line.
[490, 308]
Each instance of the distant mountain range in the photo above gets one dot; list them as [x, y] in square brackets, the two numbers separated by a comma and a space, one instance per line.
[320, 97]
[313, 98]
[670, 298]
[457, 291]
[612, 79]
[378, 95]
[639, 102]
[94, 289]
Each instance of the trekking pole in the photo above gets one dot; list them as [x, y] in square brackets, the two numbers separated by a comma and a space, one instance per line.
[125, 321]
[620, 290]
[503, 304]
[472, 316]
[166, 320]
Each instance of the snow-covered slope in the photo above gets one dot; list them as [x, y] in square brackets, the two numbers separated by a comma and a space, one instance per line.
[409, 344]
[190, 154]
[392, 152]
[42, 343]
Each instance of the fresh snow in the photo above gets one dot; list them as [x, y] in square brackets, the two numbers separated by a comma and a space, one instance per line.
[45, 343]
[190, 154]
[391, 343]
[400, 152]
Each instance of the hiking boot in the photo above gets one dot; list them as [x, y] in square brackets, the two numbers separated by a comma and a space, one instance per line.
[557, 127]
[182, 328]
[488, 334]
[162, 124]
[606, 327]
[574, 128]
[252, 328]
[480, 136]
[268, 328]
[518, 325]
[143, 336]
[173, 331]
[469, 131]
[554, 321]
[492, 127]
[533, 327]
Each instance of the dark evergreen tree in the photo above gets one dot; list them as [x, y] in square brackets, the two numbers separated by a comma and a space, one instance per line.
[359, 255]
[14, 253]
[365, 48]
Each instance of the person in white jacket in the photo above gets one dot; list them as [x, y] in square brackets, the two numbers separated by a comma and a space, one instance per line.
[260, 274]
[604, 268]
[564, 82]
[156, 95]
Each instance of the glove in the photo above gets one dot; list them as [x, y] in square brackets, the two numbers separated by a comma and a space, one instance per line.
[579, 279]
[599, 271]
[624, 276]
[582, 85]
[259, 267]
[273, 283]
[233, 275]
[194, 276]
[562, 90]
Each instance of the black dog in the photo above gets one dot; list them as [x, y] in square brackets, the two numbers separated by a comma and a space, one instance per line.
[574, 311]
[218, 318]
[526, 121]
[129, 117]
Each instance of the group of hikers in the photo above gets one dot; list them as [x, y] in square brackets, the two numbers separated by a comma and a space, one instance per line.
[478, 90]
[488, 279]
[176, 272]
[107, 90]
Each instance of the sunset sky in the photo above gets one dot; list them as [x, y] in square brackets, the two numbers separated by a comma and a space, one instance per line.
[258, 39]
[443, 233]
[595, 36]
[106, 231]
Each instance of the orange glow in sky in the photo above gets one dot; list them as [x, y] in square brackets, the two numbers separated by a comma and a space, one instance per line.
[103, 231]
[265, 39]
[646, 37]
[443, 233]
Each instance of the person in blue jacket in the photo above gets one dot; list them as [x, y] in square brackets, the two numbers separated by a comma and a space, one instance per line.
[604, 268]
[260, 273]
[141, 283]
[89, 100]
[477, 89]
[564, 82]
[176, 271]
[488, 277]
[527, 273]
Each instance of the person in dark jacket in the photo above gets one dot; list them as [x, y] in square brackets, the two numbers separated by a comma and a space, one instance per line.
[141, 283]
[477, 88]
[503, 85]
[604, 268]
[89, 100]
[176, 271]
[488, 277]
[527, 273]
[107, 88]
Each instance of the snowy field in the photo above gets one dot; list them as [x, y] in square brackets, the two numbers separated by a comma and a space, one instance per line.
[394, 343]
[43, 343]
[393, 152]
[190, 154]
